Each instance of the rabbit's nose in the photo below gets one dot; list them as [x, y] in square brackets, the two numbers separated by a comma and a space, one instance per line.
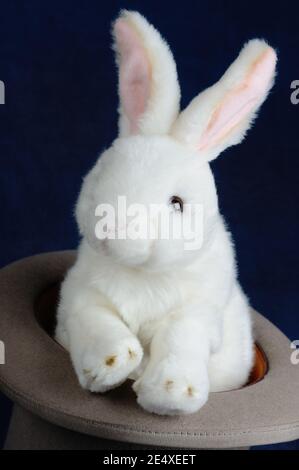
[116, 228]
[129, 251]
[120, 228]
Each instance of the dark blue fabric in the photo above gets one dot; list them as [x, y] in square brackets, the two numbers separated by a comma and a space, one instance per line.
[60, 112]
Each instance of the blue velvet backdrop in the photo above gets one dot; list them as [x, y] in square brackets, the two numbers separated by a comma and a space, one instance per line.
[60, 111]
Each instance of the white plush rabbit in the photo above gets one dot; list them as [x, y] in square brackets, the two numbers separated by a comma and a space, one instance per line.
[173, 319]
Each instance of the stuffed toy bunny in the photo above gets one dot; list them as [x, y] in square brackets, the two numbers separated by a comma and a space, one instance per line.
[172, 319]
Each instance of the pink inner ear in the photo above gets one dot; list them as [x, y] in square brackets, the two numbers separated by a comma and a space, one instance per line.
[134, 73]
[238, 103]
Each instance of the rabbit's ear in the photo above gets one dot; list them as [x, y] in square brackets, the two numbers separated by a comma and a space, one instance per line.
[149, 92]
[220, 116]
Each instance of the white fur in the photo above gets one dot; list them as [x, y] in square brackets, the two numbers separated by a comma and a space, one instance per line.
[163, 106]
[176, 321]
[193, 121]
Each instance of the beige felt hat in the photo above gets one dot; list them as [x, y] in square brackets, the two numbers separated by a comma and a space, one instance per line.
[53, 411]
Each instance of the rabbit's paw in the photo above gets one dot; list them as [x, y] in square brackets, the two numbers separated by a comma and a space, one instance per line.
[168, 391]
[100, 371]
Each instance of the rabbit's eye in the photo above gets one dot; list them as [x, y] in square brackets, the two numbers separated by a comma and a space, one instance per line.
[177, 203]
